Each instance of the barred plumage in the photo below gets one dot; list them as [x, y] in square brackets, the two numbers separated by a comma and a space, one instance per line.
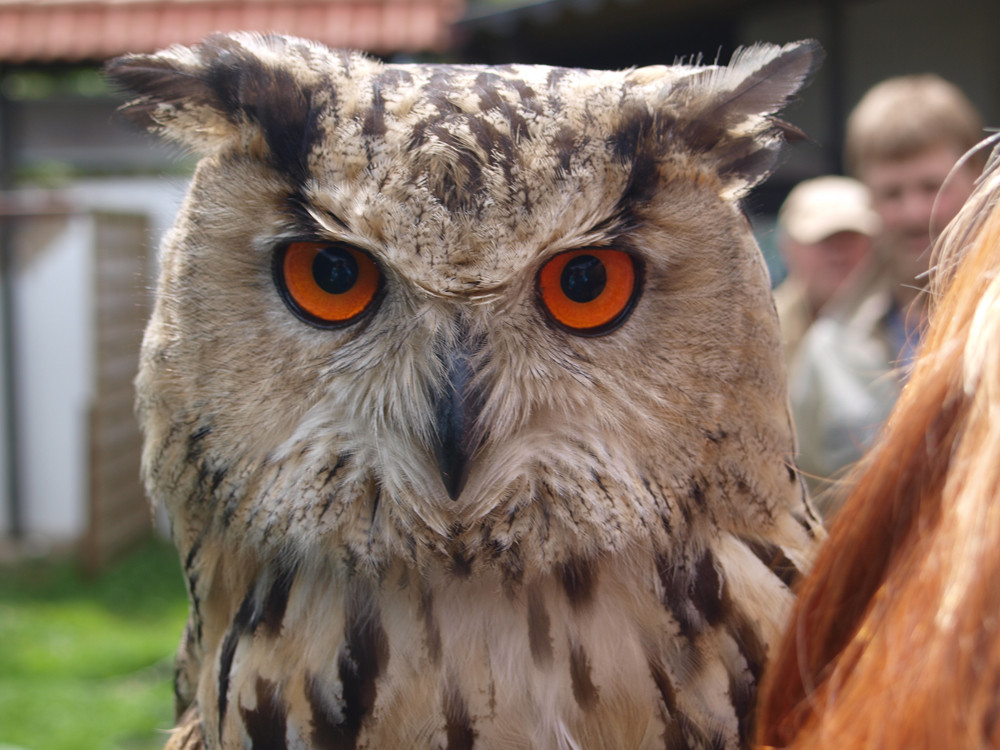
[464, 394]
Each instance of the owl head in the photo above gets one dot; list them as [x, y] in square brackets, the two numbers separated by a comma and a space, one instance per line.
[463, 314]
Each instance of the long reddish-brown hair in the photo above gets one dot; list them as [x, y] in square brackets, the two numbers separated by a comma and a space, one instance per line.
[894, 641]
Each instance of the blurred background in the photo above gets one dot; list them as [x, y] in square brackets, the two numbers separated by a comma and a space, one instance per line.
[84, 200]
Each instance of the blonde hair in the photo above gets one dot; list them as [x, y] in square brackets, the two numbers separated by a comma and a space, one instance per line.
[905, 116]
[894, 641]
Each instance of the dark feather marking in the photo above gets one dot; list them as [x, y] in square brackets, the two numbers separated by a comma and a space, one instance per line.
[192, 583]
[643, 183]
[266, 724]
[665, 520]
[217, 477]
[281, 106]
[239, 627]
[775, 559]
[743, 696]
[564, 145]
[717, 435]
[439, 91]
[331, 473]
[708, 594]
[376, 499]
[184, 693]
[181, 701]
[676, 596]
[487, 87]
[697, 493]
[453, 192]
[394, 78]
[498, 146]
[634, 143]
[806, 525]
[702, 136]
[686, 510]
[674, 721]
[327, 734]
[191, 578]
[374, 123]
[411, 546]
[251, 614]
[649, 487]
[665, 510]
[458, 725]
[273, 611]
[461, 561]
[555, 77]
[512, 567]
[349, 558]
[229, 510]
[200, 494]
[362, 659]
[331, 496]
[597, 480]
[539, 637]
[584, 690]
[751, 646]
[743, 681]
[631, 135]
[577, 576]
[195, 449]
[419, 135]
[529, 97]
[432, 634]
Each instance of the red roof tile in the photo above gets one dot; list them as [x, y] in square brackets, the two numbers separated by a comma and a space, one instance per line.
[92, 30]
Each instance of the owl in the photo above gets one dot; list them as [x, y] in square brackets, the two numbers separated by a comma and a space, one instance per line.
[464, 395]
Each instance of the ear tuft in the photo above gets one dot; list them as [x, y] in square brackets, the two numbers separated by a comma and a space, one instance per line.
[177, 98]
[730, 111]
[759, 80]
[230, 86]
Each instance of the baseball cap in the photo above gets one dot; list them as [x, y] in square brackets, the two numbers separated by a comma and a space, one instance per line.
[820, 207]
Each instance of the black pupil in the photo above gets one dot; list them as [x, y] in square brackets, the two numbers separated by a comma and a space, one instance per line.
[583, 278]
[335, 270]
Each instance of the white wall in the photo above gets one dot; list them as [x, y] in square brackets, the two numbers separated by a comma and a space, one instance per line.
[4, 500]
[53, 370]
[53, 310]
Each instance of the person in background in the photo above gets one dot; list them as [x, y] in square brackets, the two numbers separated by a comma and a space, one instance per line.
[905, 141]
[825, 228]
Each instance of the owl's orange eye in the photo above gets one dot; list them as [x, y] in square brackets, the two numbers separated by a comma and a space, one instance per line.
[328, 284]
[590, 291]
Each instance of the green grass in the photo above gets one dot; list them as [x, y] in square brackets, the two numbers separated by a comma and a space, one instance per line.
[86, 664]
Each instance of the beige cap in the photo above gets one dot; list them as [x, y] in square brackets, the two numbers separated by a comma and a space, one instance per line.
[818, 208]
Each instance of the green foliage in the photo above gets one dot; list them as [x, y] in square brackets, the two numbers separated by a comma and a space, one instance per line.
[26, 84]
[87, 664]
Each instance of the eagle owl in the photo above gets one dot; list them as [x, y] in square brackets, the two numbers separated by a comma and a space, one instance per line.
[464, 395]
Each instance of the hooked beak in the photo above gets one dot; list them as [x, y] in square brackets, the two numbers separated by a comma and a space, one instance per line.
[456, 409]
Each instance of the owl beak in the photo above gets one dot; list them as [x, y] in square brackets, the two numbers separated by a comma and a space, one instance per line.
[456, 409]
